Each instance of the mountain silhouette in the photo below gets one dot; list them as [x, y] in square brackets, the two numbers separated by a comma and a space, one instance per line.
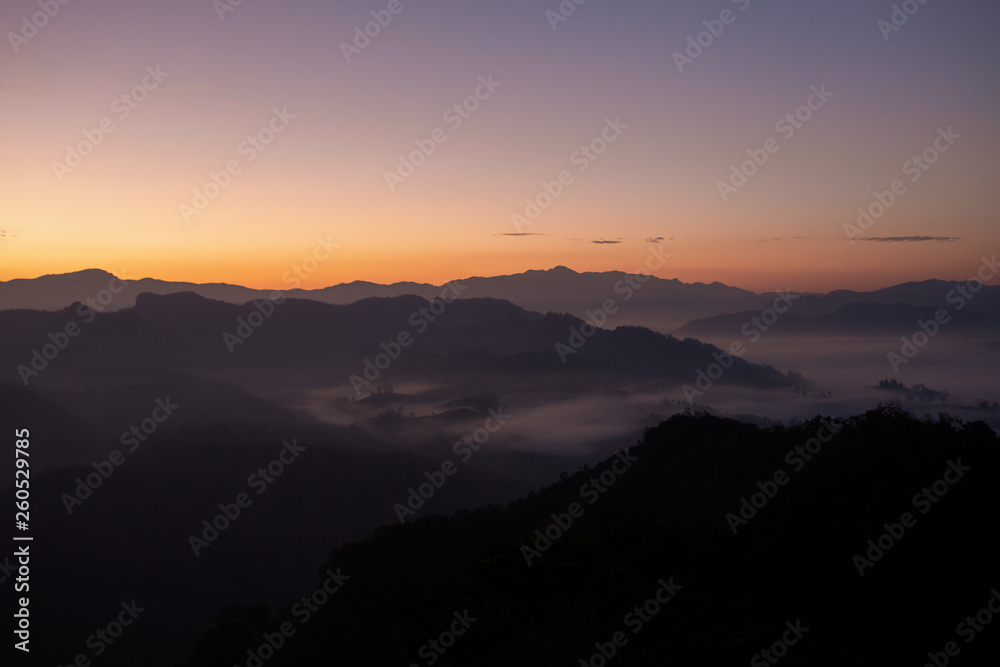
[666, 521]
[661, 304]
[184, 330]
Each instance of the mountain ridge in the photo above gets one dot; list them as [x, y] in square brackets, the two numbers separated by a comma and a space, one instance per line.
[662, 304]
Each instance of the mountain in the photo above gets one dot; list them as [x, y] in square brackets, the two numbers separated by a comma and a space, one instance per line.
[824, 316]
[384, 393]
[306, 366]
[472, 335]
[130, 535]
[167, 419]
[59, 291]
[659, 303]
[926, 293]
[838, 558]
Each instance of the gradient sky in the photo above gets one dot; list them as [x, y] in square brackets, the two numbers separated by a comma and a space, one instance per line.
[324, 175]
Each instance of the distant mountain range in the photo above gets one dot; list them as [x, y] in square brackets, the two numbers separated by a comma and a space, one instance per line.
[484, 337]
[891, 311]
[659, 304]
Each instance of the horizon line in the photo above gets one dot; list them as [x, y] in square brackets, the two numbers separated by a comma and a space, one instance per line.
[471, 277]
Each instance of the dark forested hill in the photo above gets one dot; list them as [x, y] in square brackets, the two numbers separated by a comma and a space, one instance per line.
[861, 542]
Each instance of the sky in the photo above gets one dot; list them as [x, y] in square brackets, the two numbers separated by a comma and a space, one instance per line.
[214, 142]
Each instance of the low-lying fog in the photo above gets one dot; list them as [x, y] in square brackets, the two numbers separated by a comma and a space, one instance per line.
[589, 419]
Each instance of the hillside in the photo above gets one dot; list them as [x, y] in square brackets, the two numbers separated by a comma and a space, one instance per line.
[664, 525]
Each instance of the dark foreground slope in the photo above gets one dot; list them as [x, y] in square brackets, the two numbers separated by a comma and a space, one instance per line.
[662, 522]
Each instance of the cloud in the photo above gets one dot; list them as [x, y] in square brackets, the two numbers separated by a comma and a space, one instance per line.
[910, 239]
[519, 234]
[605, 242]
[780, 238]
[655, 239]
